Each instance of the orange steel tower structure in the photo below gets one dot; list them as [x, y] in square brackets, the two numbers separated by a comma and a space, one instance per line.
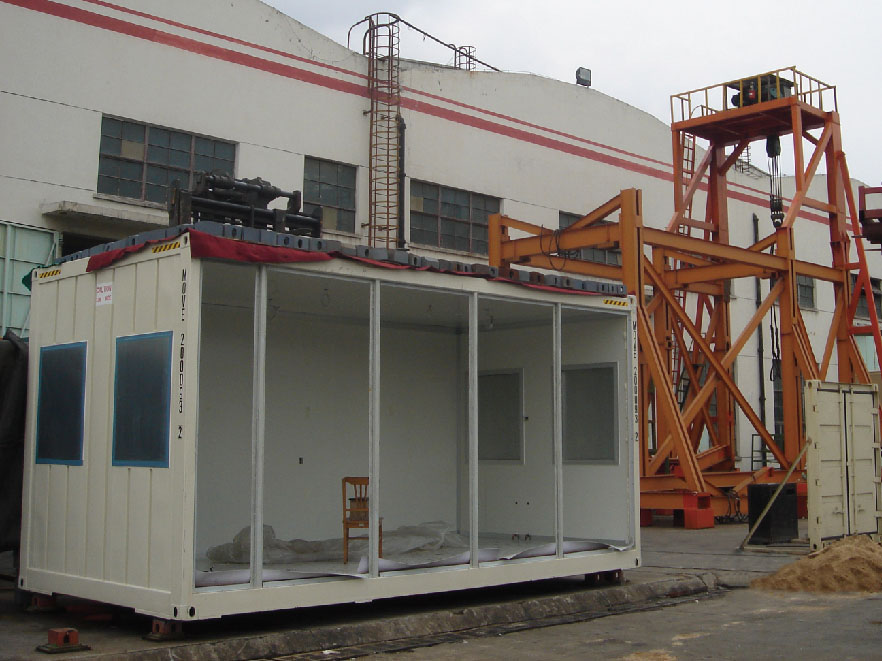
[682, 276]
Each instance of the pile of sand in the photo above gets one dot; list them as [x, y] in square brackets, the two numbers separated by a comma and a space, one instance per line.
[852, 564]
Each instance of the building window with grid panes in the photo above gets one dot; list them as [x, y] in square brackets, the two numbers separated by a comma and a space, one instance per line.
[140, 161]
[805, 292]
[449, 218]
[596, 255]
[862, 310]
[331, 186]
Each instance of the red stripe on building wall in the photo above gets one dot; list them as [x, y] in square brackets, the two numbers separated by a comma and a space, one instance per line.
[224, 54]
[217, 35]
[436, 97]
[526, 136]
[186, 44]
[522, 122]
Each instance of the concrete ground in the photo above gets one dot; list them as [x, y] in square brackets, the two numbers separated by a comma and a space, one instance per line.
[734, 624]
[679, 566]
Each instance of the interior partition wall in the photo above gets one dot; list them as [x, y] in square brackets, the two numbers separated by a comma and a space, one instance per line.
[225, 416]
[517, 500]
[598, 435]
[421, 393]
[491, 429]
[317, 421]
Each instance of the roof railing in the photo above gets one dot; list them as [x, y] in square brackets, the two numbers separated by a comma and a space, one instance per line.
[760, 88]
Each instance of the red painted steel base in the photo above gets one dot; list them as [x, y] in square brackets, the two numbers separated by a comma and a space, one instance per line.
[63, 640]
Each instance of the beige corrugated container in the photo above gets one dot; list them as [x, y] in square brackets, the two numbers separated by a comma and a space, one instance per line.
[178, 403]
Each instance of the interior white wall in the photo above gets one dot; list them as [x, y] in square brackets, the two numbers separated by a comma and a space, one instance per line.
[597, 502]
[223, 447]
[518, 497]
[418, 430]
[317, 410]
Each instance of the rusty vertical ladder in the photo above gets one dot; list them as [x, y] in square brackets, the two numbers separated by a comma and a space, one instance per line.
[381, 46]
[677, 358]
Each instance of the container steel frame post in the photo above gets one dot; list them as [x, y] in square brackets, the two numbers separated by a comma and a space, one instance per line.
[473, 439]
[374, 430]
[258, 425]
[557, 432]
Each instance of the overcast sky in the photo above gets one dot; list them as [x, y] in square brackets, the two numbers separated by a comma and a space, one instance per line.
[642, 51]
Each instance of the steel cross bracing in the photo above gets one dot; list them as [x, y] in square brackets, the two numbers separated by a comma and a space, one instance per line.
[668, 269]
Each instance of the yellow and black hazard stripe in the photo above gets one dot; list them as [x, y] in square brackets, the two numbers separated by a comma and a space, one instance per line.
[48, 274]
[166, 247]
[622, 303]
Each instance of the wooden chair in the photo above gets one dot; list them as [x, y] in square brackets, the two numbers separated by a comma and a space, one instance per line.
[356, 512]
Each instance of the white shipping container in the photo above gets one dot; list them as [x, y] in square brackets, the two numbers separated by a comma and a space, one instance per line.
[182, 397]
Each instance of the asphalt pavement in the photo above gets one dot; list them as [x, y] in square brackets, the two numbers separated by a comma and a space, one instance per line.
[737, 625]
[678, 565]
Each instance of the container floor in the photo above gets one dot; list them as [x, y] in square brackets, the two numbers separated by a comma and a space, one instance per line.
[493, 548]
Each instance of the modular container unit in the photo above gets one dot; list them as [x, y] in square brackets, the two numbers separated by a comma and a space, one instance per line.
[188, 392]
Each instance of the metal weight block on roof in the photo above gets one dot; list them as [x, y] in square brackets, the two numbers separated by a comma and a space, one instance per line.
[232, 232]
[153, 235]
[251, 234]
[266, 237]
[285, 240]
[377, 254]
[484, 269]
[400, 257]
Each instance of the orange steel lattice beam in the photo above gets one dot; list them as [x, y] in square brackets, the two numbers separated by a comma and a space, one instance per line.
[682, 284]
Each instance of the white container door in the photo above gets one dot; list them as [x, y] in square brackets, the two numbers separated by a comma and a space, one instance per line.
[843, 460]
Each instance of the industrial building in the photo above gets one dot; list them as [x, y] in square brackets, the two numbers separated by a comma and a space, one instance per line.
[536, 149]
[114, 102]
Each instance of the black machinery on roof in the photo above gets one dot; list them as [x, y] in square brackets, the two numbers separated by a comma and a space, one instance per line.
[223, 199]
[759, 89]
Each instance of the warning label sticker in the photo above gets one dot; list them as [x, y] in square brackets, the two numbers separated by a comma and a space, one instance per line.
[104, 293]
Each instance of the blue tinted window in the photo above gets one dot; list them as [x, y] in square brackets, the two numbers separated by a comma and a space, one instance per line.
[141, 393]
[61, 402]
